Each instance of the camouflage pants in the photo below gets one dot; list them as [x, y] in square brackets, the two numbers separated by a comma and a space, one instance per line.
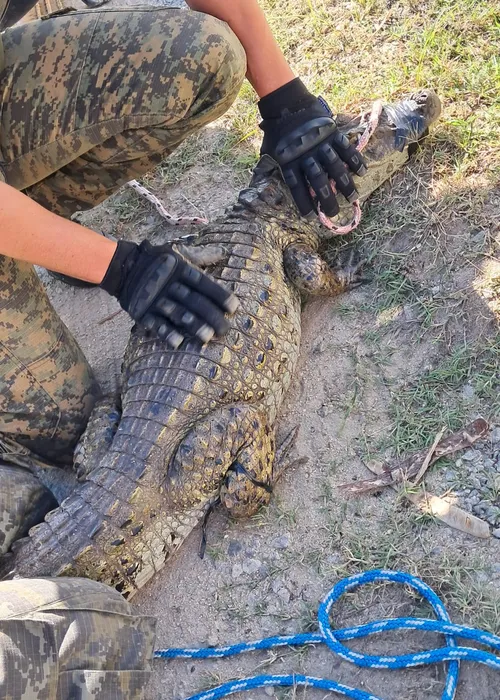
[63, 639]
[89, 101]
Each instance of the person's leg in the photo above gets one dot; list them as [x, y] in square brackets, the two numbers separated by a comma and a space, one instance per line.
[47, 389]
[92, 100]
[65, 638]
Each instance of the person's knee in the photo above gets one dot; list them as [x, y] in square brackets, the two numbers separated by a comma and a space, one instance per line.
[206, 64]
[22, 597]
[224, 57]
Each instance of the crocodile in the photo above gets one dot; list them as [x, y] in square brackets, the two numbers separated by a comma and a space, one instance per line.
[196, 426]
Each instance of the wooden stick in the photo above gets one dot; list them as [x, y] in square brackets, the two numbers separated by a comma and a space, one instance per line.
[427, 460]
[451, 515]
[109, 318]
[406, 469]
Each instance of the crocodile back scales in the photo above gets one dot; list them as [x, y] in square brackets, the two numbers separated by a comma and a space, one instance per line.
[165, 393]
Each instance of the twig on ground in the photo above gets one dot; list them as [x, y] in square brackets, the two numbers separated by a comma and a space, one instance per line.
[442, 510]
[109, 318]
[427, 461]
[410, 466]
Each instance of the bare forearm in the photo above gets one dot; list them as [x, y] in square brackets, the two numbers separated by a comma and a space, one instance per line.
[31, 233]
[267, 67]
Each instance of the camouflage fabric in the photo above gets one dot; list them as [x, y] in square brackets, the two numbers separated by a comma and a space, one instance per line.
[46, 385]
[63, 639]
[88, 100]
[23, 503]
[96, 98]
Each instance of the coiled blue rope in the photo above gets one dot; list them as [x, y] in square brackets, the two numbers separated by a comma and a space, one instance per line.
[333, 639]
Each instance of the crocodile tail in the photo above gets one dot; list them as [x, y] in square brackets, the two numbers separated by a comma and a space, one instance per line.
[74, 538]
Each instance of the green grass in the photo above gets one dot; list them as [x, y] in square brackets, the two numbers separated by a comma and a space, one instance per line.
[359, 51]
[419, 410]
[399, 541]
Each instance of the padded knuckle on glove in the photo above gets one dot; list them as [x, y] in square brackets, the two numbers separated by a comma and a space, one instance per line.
[303, 138]
[165, 294]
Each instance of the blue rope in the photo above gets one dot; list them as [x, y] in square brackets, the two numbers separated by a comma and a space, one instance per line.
[334, 638]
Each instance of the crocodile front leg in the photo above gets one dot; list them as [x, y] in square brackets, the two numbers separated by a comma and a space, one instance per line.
[312, 276]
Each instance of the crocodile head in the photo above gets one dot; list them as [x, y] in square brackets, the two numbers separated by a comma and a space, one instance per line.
[400, 128]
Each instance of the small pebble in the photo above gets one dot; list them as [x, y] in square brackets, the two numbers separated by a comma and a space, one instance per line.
[490, 516]
[281, 542]
[269, 690]
[234, 548]
[470, 455]
[410, 313]
[264, 571]
[237, 570]
[474, 481]
[213, 639]
[251, 566]
[496, 533]
[468, 392]
[276, 585]
[284, 595]
[495, 435]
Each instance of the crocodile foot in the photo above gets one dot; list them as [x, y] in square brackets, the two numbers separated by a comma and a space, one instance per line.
[282, 461]
[98, 436]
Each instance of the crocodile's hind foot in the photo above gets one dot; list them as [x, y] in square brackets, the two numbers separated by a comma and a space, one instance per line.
[229, 454]
[98, 436]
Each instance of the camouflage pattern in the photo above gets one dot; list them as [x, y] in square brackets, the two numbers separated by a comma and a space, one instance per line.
[47, 388]
[93, 99]
[24, 502]
[62, 639]
[90, 100]
[197, 423]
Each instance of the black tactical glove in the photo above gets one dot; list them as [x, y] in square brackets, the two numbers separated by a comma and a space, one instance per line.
[166, 295]
[302, 137]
